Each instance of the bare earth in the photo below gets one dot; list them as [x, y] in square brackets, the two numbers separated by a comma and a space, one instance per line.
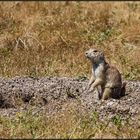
[54, 94]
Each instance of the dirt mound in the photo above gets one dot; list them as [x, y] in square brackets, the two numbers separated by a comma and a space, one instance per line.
[54, 94]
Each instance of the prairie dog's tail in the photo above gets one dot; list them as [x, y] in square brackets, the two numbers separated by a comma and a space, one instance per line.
[123, 89]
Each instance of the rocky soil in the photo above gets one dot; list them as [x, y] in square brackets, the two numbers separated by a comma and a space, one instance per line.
[54, 94]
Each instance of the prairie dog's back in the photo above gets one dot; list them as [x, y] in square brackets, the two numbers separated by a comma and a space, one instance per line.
[113, 77]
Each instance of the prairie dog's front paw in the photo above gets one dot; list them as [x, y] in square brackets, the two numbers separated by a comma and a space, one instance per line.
[90, 89]
[88, 86]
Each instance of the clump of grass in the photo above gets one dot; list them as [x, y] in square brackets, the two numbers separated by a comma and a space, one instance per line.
[66, 124]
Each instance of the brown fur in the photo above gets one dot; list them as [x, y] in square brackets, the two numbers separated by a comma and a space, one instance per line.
[105, 76]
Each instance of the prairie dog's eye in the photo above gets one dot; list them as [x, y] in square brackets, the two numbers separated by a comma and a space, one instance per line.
[95, 51]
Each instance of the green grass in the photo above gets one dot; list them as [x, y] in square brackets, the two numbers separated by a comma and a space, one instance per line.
[67, 124]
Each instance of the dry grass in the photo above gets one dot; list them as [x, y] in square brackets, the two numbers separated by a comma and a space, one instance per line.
[67, 124]
[50, 38]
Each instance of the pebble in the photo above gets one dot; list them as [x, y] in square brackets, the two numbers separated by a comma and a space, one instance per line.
[55, 90]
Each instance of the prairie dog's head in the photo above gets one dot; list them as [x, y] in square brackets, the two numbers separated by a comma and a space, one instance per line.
[95, 55]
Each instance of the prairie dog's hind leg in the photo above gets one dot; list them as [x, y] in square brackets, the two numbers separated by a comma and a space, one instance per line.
[106, 93]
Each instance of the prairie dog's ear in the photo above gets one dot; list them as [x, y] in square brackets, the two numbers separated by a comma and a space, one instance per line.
[102, 54]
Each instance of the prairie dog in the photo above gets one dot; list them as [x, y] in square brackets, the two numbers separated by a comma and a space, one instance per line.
[104, 76]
